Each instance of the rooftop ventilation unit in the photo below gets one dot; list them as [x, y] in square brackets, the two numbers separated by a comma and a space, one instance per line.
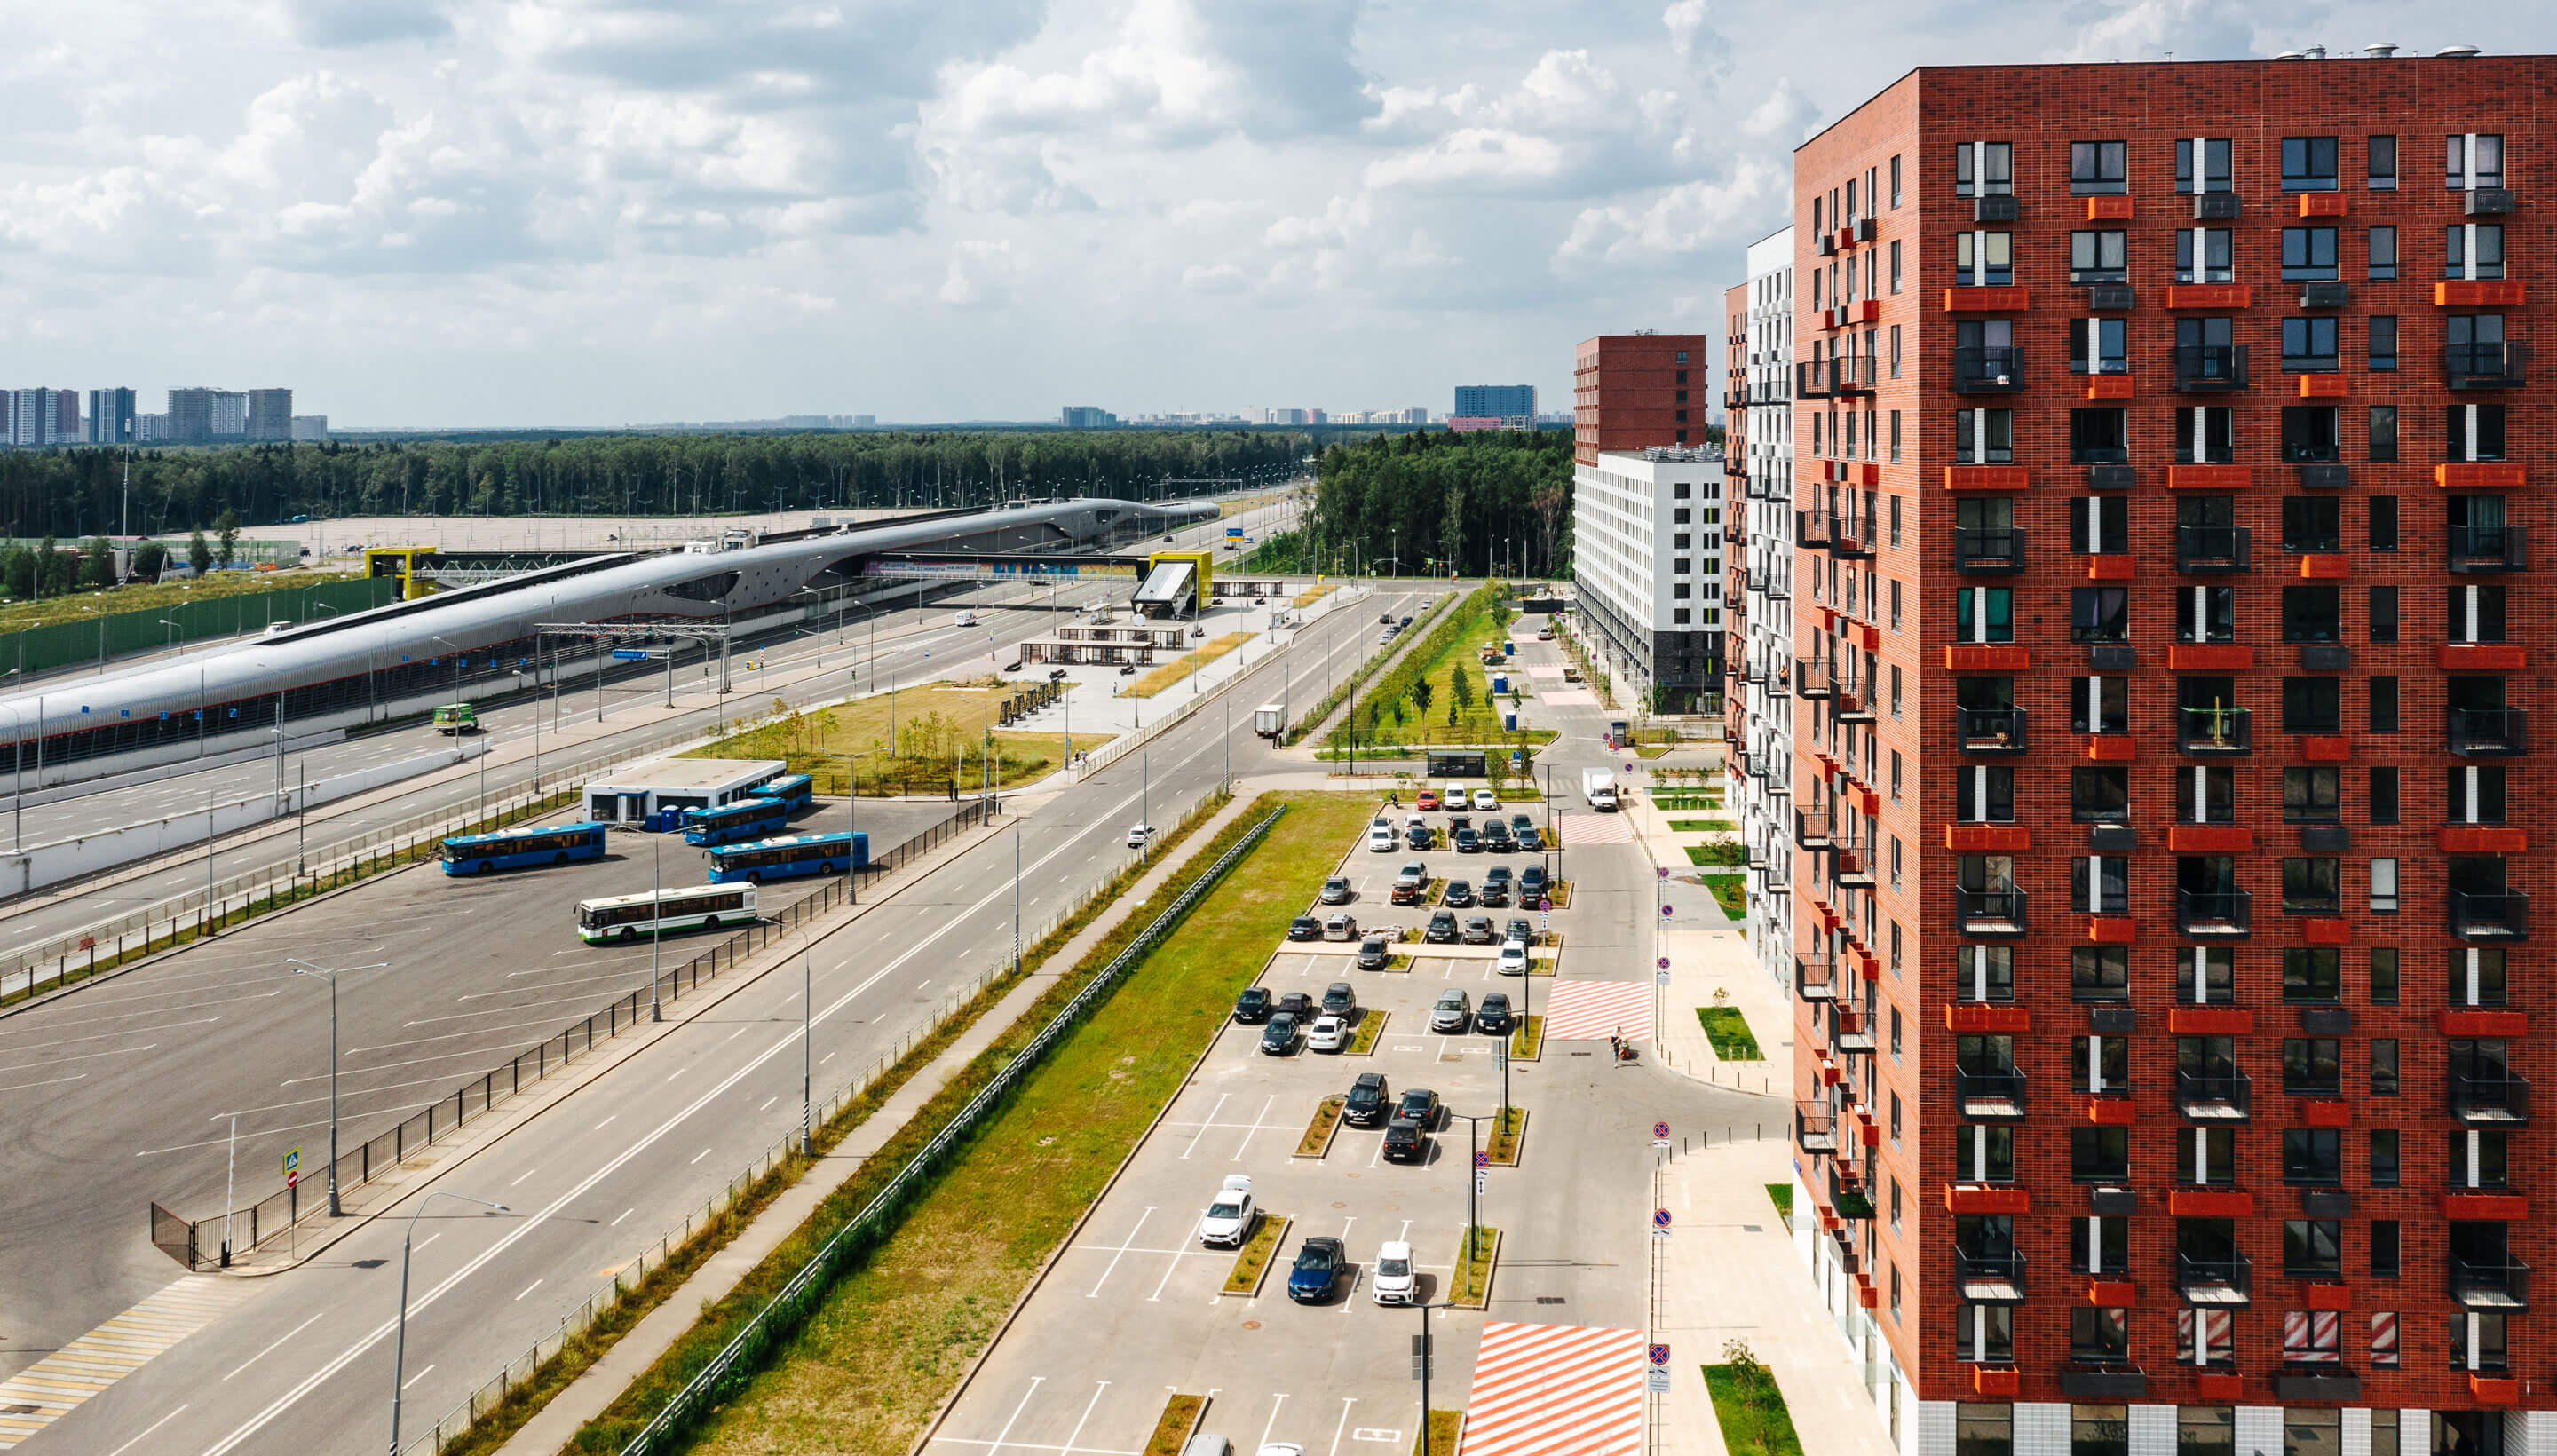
[2456, 52]
[2381, 50]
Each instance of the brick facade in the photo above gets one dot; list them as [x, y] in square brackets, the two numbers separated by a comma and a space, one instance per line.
[1632, 391]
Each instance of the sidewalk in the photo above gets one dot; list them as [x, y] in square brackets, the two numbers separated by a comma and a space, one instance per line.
[629, 1358]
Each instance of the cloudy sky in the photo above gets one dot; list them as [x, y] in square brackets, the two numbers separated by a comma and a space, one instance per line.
[595, 212]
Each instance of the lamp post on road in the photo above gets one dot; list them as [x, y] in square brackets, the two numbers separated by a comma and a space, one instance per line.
[656, 926]
[300, 967]
[399, 1346]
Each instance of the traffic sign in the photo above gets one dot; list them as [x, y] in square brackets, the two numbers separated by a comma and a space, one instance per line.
[1660, 1129]
[292, 1180]
[1660, 1218]
[1482, 1183]
[1655, 1381]
[1666, 912]
[1544, 904]
[292, 1158]
[1661, 978]
[1660, 1355]
[1663, 962]
[1661, 872]
[630, 654]
[1482, 1159]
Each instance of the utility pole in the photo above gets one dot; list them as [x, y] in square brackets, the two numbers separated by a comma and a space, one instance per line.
[807, 1053]
[300, 967]
[656, 928]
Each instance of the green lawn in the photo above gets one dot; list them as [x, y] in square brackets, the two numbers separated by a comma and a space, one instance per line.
[1685, 800]
[1731, 893]
[1751, 1411]
[1723, 852]
[1782, 1195]
[1703, 825]
[1728, 1030]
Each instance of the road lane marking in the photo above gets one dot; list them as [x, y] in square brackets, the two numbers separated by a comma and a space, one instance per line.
[51, 1081]
[625, 1213]
[1211, 1121]
[413, 1380]
[270, 1349]
[697, 1157]
[1259, 1121]
[155, 1425]
[1274, 1420]
[1076, 1434]
[1346, 1402]
[526, 1174]
[529, 1288]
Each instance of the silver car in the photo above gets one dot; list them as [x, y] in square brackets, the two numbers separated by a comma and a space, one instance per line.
[1453, 1012]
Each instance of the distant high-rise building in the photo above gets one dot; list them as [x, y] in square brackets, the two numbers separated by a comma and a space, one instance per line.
[1630, 391]
[151, 428]
[310, 427]
[110, 417]
[864, 422]
[1495, 401]
[231, 414]
[30, 416]
[1088, 417]
[269, 414]
[63, 428]
[190, 420]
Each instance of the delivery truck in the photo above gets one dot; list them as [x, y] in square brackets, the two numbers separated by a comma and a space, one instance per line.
[1269, 720]
[1598, 787]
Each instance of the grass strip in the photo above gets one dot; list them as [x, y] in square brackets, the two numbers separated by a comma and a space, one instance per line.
[1731, 893]
[1172, 1432]
[1721, 856]
[1370, 1027]
[1782, 1195]
[1187, 665]
[1318, 1133]
[907, 740]
[1405, 704]
[880, 1350]
[1702, 826]
[1366, 669]
[1728, 1030]
[1526, 1043]
[1469, 1285]
[1750, 1409]
[1509, 1131]
[1438, 1438]
[1252, 1261]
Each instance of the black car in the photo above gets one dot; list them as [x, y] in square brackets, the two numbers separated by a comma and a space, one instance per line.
[1496, 838]
[1406, 621]
[1419, 1105]
[1340, 1000]
[1468, 842]
[1531, 841]
[1492, 1014]
[1496, 887]
[1368, 1101]
[1297, 1003]
[1443, 929]
[1532, 883]
[1456, 800]
[1386, 620]
[1304, 927]
[1460, 893]
[1278, 1038]
[1253, 1006]
[1374, 953]
[1519, 929]
[1405, 1142]
[1422, 836]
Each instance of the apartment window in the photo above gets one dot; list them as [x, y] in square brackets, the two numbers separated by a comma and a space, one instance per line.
[2383, 254]
[1983, 436]
[2384, 886]
[2383, 342]
[2205, 974]
[1895, 182]
[2098, 346]
[2381, 165]
[2486, 260]
[2383, 975]
[2488, 167]
[2312, 615]
[2312, 705]
[1984, 972]
[1984, 793]
[2308, 255]
[1895, 459]
[2100, 795]
[2100, 973]
[1895, 685]
[2205, 435]
[2383, 705]
[2476, 977]
[1895, 582]
[2099, 1155]
[1895, 351]
[2098, 166]
[1895, 771]
[1895, 265]
[2308, 164]
[1995, 164]
[2099, 614]
[2311, 1155]
[2101, 256]
[2384, 450]
[2383, 614]
[2309, 433]
[2313, 1249]
[2202, 255]
[2312, 795]
[2099, 705]
[2098, 436]
[2383, 1066]
[2383, 1158]
[2214, 174]
[1985, 259]
[2383, 795]
[2205, 614]
[2309, 346]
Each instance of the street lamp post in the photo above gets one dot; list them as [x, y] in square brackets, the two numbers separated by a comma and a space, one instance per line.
[656, 927]
[399, 1346]
[300, 967]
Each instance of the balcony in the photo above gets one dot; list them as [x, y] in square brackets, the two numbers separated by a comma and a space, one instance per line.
[1992, 1096]
[2214, 914]
[1980, 371]
[2107, 1380]
[2493, 1286]
[2489, 917]
[1989, 729]
[1994, 208]
[2489, 549]
[2204, 369]
[1850, 1032]
[2488, 201]
[1851, 539]
[1989, 1279]
[1816, 978]
[1812, 530]
[2228, 1097]
[2502, 365]
[1848, 1192]
[2214, 732]
[2228, 1281]
[1811, 379]
[1851, 701]
[1807, 686]
[1854, 870]
[1990, 913]
[2214, 550]
[2487, 732]
[1814, 1127]
[2490, 1102]
[1988, 551]
[1810, 832]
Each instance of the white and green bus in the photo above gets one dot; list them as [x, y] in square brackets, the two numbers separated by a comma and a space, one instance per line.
[625, 918]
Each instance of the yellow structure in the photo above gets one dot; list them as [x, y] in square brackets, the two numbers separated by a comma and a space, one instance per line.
[1201, 563]
[400, 562]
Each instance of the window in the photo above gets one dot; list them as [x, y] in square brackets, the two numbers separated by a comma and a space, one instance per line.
[2097, 347]
[2383, 795]
[2312, 523]
[2313, 1249]
[2383, 450]
[1895, 358]
[2207, 794]
[2477, 977]
[2383, 1158]
[2308, 346]
[1984, 972]
[2309, 433]
[2486, 260]
[2099, 1155]
[2475, 433]
[1995, 162]
[2099, 525]
[1985, 1430]
[2203, 1430]
[2311, 614]
[2380, 169]
[2097, 614]
[2313, 795]
[2383, 705]
[1985, 259]
[2098, 436]
[2311, 1155]
[1895, 768]
[2214, 174]
[2308, 255]
[2308, 164]
[1983, 436]
[2098, 166]
[2383, 254]
[1895, 265]
[2212, 265]
[2383, 1066]
[2100, 795]
[2484, 166]
[2308, 1340]
[2205, 974]
[2312, 1066]
[1985, 614]
[2383, 522]
[2101, 256]
[2311, 976]
[2098, 1335]
[2100, 973]
[1984, 793]
[2205, 435]
[2383, 614]
[1895, 182]
[2312, 884]
[2205, 614]
[1895, 581]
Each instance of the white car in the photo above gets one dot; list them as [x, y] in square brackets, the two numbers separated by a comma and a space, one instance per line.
[1381, 837]
[1328, 1035]
[1139, 834]
[1485, 800]
[1392, 1280]
[965, 619]
[1513, 959]
[1228, 1221]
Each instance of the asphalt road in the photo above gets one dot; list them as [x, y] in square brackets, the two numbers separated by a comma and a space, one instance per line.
[306, 1359]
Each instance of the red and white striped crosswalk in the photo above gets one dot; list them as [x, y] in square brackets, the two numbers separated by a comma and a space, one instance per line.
[1593, 1010]
[1555, 1390]
[1595, 828]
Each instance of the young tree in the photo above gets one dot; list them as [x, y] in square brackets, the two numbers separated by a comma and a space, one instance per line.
[1420, 693]
[226, 528]
[18, 571]
[149, 559]
[98, 563]
[1460, 686]
[199, 555]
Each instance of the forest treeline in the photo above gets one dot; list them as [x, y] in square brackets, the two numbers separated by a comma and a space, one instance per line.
[1428, 499]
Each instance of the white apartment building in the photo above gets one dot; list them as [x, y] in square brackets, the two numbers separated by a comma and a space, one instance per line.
[1647, 558]
[1762, 660]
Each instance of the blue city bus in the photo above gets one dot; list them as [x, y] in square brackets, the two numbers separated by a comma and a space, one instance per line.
[789, 857]
[519, 848]
[795, 790]
[747, 818]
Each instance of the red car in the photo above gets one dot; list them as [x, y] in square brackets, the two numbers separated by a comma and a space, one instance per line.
[1426, 801]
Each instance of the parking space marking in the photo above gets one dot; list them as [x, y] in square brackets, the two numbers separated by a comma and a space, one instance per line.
[1280, 1404]
[1221, 1099]
[1119, 1253]
[1027, 1396]
[1346, 1402]
[1077, 1432]
[1259, 1122]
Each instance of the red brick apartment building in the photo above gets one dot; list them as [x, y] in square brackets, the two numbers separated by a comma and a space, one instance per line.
[1630, 391]
[2168, 440]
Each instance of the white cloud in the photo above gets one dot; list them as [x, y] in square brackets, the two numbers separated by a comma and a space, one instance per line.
[980, 277]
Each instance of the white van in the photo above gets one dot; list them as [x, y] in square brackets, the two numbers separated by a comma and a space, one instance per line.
[966, 619]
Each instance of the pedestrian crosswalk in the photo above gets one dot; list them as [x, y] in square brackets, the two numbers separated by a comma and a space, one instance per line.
[1555, 1390]
[59, 1384]
[1595, 828]
[1593, 1010]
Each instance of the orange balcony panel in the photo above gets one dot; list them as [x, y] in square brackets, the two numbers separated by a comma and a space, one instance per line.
[2112, 1293]
[1868, 1132]
[1988, 657]
[2326, 1296]
[1869, 474]
[1865, 635]
[2209, 478]
[2210, 839]
[2208, 1203]
[1866, 1294]
[2494, 1390]
[2208, 296]
[2111, 1111]
[2482, 657]
[1987, 478]
[2482, 839]
[2114, 568]
[2209, 657]
[2108, 930]
[1869, 965]
[2326, 1111]
[2326, 748]
[2222, 1386]
[1997, 1382]
[1987, 300]
[1963, 1198]
[1863, 311]
[1987, 839]
[2480, 293]
[2324, 386]
[2502, 1207]
[2109, 386]
[2111, 747]
[2477, 1022]
[2482, 475]
[1975, 1020]
[2098, 209]
[2322, 205]
[2326, 930]
[1871, 802]
[2320, 566]
[1828, 1076]
[2210, 1020]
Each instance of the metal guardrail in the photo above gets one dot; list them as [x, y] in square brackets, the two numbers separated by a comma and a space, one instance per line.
[800, 1296]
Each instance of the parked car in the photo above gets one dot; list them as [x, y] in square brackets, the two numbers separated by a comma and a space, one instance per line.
[1341, 926]
[1327, 1034]
[1422, 836]
[1404, 1141]
[1368, 1102]
[1319, 1267]
[1512, 960]
[1458, 823]
[1278, 1038]
[1337, 891]
[1426, 800]
[1228, 1217]
[1252, 1008]
[1492, 1017]
[1531, 839]
[1545, 635]
[1381, 840]
[1459, 895]
[1518, 930]
[1485, 800]
[1415, 869]
[1407, 890]
[1406, 621]
[1304, 927]
[1443, 929]
[1521, 824]
[1496, 838]
[1453, 1012]
[1139, 834]
[1294, 1003]
[1375, 952]
[1532, 883]
[1391, 1282]
[1340, 999]
[1419, 1105]
[1495, 892]
[1478, 930]
[1468, 842]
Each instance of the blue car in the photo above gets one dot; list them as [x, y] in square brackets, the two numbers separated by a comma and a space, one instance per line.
[1319, 1267]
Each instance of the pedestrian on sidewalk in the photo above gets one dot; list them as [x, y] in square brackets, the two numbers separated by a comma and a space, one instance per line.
[1616, 1048]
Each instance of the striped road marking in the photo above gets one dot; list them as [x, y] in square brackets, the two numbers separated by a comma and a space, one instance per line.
[1595, 828]
[59, 1384]
[1555, 1390]
[1593, 1010]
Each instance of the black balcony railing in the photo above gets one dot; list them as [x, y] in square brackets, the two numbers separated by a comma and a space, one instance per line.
[1850, 700]
[1997, 1091]
[1816, 978]
[2224, 1280]
[2207, 731]
[2490, 1102]
[1810, 530]
[2491, 1285]
[2215, 913]
[1983, 370]
[2487, 732]
[1811, 680]
[2215, 1097]
[1990, 913]
[1989, 729]
[1996, 1277]
[1815, 1126]
[1851, 538]
[1988, 551]
[2502, 365]
[2490, 548]
[2208, 366]
[2496, 915]
[2214, 550]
